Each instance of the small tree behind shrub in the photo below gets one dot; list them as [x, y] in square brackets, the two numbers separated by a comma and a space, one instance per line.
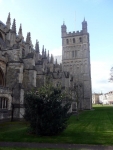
[45, 111]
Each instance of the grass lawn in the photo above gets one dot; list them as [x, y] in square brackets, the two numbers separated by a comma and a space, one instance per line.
[3, 148]
[94, 127]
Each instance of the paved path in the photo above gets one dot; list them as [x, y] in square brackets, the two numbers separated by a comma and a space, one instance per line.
[50, 145]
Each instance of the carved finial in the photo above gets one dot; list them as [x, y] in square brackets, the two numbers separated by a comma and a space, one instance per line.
[45, 52]
[63, 22]
[52, 59]
[31, 42]
[28, 38]
[14, 26]
[84, 26]
[37, 46]
[48, 56]
[8, 23]
[48, 53]
[43, 48]
[56, 61]
[20, 31]
[84, 21]
[8, 19]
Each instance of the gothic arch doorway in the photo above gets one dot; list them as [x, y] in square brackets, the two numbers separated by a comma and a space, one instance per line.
[1, 78]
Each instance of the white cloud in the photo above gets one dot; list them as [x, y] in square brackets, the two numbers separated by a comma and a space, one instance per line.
[0, 1]
[57, 51]
[100, 72]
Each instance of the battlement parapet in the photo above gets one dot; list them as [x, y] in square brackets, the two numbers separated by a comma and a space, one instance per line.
[77, 33]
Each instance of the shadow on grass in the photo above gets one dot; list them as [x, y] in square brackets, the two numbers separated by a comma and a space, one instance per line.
[94, 127]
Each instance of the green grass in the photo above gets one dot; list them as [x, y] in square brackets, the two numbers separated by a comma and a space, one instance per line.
[7, 148]
[94, 127]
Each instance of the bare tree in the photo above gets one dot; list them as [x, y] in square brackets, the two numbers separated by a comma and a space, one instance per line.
[77, 96]
[111, 75]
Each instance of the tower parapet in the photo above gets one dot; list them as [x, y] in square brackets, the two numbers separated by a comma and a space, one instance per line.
[64, 32]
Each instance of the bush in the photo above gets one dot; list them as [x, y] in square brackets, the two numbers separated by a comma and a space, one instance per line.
[45, 111]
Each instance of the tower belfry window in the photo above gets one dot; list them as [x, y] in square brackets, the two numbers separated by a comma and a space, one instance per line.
[67, 41]
[73, 40]
[80, 39]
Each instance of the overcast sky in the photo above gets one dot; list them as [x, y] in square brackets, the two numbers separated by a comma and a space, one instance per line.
[43, 18]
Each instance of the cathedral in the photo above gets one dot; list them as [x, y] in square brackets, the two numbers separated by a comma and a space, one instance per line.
[23, 67]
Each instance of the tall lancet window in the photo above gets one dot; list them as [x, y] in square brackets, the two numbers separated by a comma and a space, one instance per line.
[80, 39]
[1, 40]
[67, 41]
[1, 78]
[1, 37]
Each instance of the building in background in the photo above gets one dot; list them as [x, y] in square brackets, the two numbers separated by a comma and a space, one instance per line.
[106, 98]
[95, 98]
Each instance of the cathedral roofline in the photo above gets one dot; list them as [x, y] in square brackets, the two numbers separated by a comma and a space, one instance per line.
[2, 23]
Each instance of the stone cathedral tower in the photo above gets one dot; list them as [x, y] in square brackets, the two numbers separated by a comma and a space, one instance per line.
[76, 60]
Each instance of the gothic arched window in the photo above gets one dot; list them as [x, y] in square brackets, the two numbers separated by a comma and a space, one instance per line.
[2, 43]
[3, 103]
[67, 41]
[1, 36]
[1, 78]
[80, 39]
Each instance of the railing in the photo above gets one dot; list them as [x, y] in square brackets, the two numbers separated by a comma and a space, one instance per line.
[4, 90]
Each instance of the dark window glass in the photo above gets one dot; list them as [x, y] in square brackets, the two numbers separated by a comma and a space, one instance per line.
[73, 40]
[72, 54]
[1, 36]
[80, 39]
[3, 103]
[67, 41]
